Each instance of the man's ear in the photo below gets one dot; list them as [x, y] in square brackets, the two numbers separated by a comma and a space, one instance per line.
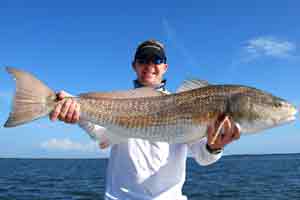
[133, 65]
[165, 67]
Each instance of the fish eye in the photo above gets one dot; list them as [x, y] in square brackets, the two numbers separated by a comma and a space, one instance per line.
[278, 104]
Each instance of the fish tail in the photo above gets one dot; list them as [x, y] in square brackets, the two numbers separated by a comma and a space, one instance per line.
[32, 99]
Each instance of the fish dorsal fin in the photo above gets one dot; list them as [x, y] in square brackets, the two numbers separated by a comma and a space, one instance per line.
[192, 84]
[134, 93]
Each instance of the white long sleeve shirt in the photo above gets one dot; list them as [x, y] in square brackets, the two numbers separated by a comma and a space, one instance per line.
[143, 170]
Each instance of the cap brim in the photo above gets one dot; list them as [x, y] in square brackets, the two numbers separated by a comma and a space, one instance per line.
[149, 53]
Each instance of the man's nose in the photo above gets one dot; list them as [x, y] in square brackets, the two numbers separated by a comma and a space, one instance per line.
[150, 64]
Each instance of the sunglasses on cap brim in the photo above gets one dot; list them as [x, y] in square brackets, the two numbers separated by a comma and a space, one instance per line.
[156, 60]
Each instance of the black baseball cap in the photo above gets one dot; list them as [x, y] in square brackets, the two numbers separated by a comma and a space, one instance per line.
[150, 50]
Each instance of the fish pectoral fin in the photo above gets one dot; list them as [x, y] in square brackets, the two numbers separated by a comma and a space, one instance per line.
[106, 138]
[104, 141]
[113, 138]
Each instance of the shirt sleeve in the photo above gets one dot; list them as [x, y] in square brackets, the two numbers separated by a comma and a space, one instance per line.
[201, 154]
[96, 132]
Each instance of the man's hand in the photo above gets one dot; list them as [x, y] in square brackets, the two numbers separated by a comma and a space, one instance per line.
[67, 110]
[229, 132]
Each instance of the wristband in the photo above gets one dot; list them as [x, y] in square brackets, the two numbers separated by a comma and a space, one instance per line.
[213, 151]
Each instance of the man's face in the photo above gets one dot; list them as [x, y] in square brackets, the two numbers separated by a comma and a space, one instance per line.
[149, 74]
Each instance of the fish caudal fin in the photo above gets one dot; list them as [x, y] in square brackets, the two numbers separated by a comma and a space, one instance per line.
[32, 100]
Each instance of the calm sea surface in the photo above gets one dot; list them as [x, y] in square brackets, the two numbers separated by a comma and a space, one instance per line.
[233, 177]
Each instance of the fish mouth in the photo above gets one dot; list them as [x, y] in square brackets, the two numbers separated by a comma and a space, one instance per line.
[291, 115]
[291, 118]
[286, 120]
[293, 112]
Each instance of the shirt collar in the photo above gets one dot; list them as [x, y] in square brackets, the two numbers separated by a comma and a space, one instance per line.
[161, 86]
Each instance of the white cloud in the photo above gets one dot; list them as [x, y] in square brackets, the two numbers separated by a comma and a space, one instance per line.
[268, 46]
[68, 145]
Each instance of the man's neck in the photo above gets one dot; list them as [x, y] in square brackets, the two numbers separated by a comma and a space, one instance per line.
[137, 84]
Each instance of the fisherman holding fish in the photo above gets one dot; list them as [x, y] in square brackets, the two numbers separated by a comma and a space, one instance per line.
[149, 130]
[140, 169]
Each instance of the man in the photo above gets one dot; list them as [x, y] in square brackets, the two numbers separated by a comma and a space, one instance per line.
[139, 169]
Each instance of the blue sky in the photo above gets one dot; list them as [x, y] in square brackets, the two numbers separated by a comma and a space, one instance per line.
[82, 46]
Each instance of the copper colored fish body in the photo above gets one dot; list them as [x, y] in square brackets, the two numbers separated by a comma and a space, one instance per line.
[148, 114]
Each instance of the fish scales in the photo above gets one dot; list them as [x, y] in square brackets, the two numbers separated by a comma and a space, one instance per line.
[193, 108]
[153, 115]
[155, 111]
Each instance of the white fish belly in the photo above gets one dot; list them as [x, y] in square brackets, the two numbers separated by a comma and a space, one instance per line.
[177, 133]
[183, 131]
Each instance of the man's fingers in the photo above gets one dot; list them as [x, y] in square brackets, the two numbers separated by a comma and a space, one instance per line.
[210, 132]
[61, 95]
[227, 125]
[64, 109]
[231, 134]
[227, 137]
[227, 129]
[70, 113]
[213, 131]
[103, 145]
[220, 127]
[54, 115]
[75, 117]
[236, 132]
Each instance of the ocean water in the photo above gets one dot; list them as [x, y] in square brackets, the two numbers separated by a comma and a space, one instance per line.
[255, 177]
